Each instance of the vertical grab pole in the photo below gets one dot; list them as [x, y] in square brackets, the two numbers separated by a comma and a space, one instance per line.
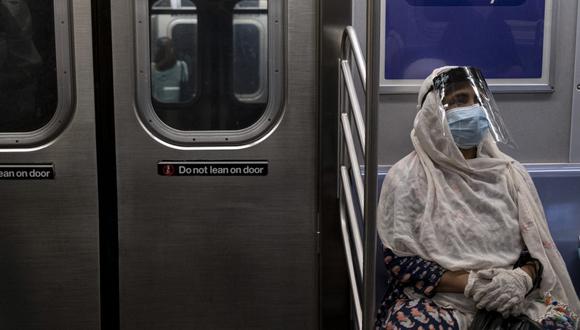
[372, 84]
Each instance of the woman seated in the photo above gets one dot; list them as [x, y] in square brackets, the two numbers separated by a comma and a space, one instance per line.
[461, 223]
[168, 74]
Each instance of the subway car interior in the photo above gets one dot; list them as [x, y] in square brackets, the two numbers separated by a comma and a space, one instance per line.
[218, 164]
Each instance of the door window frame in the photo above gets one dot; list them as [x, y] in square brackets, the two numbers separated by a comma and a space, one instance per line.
[46, 135]
[211, 139]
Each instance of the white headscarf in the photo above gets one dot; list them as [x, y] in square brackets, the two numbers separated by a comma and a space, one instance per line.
[465, 214]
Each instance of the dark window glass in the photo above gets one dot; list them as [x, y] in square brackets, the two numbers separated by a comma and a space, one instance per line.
[184, 35]
[28, 79]
[209, 63]
[249, 76]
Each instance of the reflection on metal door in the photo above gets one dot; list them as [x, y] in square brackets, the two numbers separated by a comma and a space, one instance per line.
[232, 249]
[49, 232]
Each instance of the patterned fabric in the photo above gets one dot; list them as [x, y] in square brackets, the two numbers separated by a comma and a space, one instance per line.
[419, 314]
[414, 271]
[558, 316]
[422, 275]
[556, 324]
[398, 311]
[423, 314]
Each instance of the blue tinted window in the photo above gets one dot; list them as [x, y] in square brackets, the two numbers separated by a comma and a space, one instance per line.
[504, 39]
[446, 3]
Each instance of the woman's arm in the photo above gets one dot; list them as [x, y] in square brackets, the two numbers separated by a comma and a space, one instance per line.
[531, 266]
[414, 271]
[453, 281]
[425, 276]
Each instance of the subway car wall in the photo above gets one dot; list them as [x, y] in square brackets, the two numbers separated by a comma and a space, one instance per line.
[103, 102]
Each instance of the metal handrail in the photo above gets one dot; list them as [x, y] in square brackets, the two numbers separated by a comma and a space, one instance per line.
[356, 109]
[349, 106]
[358, 247]
[347, 143]
[351, 274]
[350, 44]
[371, 159]
[355, 167]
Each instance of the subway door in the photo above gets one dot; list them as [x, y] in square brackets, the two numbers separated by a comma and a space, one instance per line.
[215, 105]
[49, 231]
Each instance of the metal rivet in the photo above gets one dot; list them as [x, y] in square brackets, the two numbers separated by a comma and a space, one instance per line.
[578, 87]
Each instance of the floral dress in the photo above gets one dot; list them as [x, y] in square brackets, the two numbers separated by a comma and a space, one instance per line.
[398, 311]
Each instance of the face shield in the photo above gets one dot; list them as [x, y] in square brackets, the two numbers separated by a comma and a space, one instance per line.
[468, 107]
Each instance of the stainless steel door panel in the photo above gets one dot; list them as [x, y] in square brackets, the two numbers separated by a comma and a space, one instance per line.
[49, 267]
[211, 252]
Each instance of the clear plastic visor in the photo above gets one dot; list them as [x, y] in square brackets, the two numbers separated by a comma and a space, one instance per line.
[465, 87]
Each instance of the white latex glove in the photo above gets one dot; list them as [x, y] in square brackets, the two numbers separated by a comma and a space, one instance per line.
[499, 290]
[474, 284]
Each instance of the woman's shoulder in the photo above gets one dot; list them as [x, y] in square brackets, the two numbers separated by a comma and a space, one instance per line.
[405, 169]
[405, 161]
[519, 167]
[403, 165]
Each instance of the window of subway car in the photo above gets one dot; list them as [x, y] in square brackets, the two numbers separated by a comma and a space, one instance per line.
[209, 63]
[28, 69]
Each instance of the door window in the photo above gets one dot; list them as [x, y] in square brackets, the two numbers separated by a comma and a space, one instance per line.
[213, 73]
[34, 83]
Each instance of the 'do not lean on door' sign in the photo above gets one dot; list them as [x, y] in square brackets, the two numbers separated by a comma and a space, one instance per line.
[213, 168]
[26, 172]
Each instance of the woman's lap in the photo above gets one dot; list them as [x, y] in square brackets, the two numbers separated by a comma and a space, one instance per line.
[419, 314]
[424, 314]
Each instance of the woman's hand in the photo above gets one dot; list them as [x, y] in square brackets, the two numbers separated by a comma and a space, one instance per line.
[500, 290]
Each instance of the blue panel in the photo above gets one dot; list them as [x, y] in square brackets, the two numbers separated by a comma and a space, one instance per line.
[504, 41]
[445, 3]
[559, 197]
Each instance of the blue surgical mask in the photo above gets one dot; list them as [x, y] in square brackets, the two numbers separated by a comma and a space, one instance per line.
[468, 125]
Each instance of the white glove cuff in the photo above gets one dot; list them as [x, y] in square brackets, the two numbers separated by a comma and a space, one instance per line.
[526, 278]
[470, 283]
